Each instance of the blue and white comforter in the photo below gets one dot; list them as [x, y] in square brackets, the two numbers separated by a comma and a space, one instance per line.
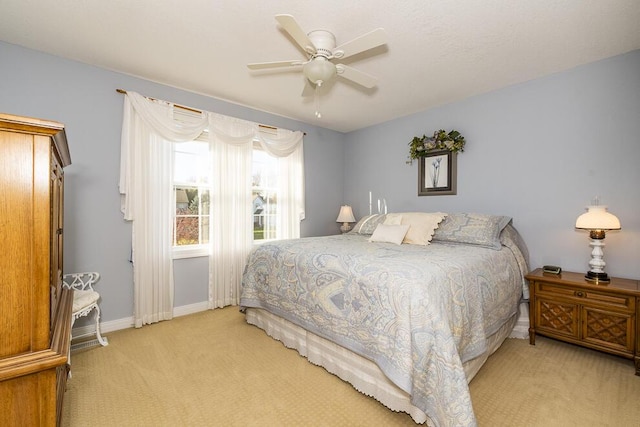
[418, 312]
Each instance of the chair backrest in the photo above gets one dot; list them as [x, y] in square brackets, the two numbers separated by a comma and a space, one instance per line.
[80, 281]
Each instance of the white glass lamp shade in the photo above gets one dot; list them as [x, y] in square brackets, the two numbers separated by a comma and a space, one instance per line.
[319, 70]
[345, 217]
[597, 220]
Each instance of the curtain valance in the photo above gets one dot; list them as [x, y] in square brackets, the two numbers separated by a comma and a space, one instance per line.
[158, 115]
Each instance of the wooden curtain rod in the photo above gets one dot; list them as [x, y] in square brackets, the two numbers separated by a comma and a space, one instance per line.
[182, 107]
[196, 111]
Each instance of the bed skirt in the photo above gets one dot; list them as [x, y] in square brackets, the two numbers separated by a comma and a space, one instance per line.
[363, 374]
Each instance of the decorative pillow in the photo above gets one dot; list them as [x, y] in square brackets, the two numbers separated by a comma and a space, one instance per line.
[393, 219]
[472, 229]
[422, 225]
[368, 224]
[389, 233]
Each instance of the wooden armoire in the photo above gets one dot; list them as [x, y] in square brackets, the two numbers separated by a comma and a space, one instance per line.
[35, 311]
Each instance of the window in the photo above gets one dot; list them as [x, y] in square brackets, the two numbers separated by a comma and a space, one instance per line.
[191, 179]
[191, 191]
[264, 194]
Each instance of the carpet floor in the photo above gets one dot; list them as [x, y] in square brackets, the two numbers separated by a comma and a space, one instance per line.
[213, 369]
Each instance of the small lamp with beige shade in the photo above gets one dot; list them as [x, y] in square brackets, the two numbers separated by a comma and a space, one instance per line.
[345, 217]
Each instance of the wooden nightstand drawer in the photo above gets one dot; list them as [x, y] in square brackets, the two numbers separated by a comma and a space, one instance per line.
[608, 300]
[608, 329]
[557, 317]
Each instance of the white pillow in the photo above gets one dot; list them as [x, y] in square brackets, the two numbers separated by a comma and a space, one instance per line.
[393, 219]
[389, 233]
[422, 226]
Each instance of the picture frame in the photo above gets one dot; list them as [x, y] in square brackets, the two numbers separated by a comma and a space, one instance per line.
[437, 172]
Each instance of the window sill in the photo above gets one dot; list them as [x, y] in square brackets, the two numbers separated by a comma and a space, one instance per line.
[190, 252]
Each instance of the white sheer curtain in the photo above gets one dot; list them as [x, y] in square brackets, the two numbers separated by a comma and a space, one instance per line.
[146, 188]
[288, 147]
[231, 230]
[232, 208]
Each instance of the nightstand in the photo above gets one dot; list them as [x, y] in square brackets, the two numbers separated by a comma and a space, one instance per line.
[604, 317]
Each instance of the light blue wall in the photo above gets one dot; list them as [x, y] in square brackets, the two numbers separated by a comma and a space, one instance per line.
[538, 152]
[97, 238]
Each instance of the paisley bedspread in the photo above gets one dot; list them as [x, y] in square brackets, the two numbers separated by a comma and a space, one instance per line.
[418, 312]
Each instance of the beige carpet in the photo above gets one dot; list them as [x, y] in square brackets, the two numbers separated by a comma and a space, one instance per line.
[213, 369]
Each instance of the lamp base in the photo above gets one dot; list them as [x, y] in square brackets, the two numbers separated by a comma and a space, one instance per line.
[345, 227]
[595, 277]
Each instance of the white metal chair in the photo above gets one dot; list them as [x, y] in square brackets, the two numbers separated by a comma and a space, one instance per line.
[85, 298]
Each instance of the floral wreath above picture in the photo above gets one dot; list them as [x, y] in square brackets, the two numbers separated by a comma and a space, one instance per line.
[437, 165]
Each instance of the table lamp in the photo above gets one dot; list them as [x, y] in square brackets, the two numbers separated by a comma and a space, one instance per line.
[598, 221]
[345, 217]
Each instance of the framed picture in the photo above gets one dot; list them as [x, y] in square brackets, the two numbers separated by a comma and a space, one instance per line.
[437, 173]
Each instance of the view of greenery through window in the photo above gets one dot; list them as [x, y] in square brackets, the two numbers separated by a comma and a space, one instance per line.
[191, 179]
[192, 216]
[264, 194]
[192, 198]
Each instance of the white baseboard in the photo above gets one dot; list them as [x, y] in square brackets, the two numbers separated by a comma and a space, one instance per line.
[127, 322]
[190, 309]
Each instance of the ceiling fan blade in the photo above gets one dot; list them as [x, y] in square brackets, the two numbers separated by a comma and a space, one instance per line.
[367, 41]
[291, 26]
[277, 64]
[363, 79]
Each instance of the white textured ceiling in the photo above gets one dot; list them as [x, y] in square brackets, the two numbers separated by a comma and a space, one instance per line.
[439, 51]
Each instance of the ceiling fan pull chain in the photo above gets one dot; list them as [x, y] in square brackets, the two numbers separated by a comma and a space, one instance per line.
[317, 100]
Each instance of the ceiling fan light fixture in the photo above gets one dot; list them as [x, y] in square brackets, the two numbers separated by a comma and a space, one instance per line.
[320, 48]
[319, 70]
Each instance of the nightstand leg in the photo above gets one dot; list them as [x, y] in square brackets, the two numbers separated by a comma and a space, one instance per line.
[637, 360]
[532, 315]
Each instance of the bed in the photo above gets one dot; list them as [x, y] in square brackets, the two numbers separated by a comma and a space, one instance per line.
[408, 321]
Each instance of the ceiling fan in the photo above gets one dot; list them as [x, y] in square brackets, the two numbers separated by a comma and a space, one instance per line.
[320, 47]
